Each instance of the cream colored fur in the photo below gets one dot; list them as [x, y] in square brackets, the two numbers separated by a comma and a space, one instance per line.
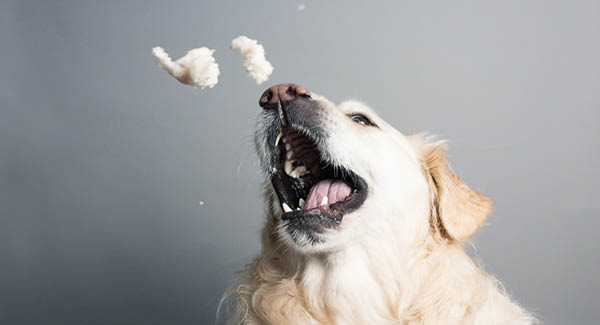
[398, 259]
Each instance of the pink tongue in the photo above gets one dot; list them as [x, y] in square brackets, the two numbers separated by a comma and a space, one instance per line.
[334, 190]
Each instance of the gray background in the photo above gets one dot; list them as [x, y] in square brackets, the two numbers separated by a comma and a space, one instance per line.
[104, 158]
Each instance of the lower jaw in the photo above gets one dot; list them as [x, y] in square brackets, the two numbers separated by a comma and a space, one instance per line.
[305, 235]
[307, 230]
[323, 214]
[331, 213]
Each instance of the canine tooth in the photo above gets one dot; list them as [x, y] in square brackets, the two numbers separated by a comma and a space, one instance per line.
[324, 201]
[298, 209]
[289, 154]
[301, 203]
[294, 173]
[287, 146]
[278, 138]
[286, 208]
[300, 170]
[288, 167]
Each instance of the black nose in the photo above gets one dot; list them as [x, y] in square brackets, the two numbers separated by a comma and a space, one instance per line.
[283, 93]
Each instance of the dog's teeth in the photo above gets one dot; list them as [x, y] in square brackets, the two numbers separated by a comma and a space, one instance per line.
[288, 167]
[286, 208]
[278, 138]
[324, 201]
[289, 154]
[301, 203]
[294, 173]
[301, 170]
[287, 146]
[297, 172]
[298, 209]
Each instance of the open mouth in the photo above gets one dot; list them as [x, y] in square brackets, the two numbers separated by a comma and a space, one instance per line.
[311, 191]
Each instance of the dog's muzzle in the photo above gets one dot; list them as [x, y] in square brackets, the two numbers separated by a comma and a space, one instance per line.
[314, 193]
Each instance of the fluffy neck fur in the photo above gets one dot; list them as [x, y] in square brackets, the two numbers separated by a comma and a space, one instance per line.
[412, 272]
[430, 282]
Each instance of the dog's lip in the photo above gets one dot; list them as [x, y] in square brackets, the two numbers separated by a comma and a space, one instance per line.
[319, 212]
[335, 212]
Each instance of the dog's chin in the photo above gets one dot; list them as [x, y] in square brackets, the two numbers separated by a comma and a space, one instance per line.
[317, 230]
[311, 237]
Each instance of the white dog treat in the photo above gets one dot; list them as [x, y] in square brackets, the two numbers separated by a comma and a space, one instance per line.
[197, 68]
[254, 58]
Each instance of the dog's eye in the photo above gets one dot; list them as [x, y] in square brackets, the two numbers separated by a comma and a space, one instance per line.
[361, 119]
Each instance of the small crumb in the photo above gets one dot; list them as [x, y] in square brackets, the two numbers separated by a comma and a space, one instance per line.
[201, 202]
[254, 58]
[301, 7]
[197, 68]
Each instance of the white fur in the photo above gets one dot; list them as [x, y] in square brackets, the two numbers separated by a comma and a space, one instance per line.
[386, 264]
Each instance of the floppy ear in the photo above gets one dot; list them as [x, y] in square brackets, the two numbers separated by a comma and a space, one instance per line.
[457, 210]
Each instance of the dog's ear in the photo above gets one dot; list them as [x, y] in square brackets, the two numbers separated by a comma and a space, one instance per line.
[457, 210]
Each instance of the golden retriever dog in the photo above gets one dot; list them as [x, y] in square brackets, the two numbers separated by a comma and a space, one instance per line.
[364, 224]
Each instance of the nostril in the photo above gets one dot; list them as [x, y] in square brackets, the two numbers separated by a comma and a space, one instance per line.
[289, 90]
[266, 97]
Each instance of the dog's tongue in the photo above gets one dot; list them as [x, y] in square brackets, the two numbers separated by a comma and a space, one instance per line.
[333, 190]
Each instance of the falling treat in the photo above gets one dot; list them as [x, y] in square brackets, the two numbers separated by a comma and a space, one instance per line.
[197, 68]
[254, 58]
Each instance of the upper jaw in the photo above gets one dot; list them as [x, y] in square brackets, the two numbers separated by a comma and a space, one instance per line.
[302, 115]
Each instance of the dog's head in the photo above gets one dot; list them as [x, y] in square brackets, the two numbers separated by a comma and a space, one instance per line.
[339, 173]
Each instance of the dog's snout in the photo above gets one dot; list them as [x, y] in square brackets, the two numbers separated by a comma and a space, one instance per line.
[283, 93]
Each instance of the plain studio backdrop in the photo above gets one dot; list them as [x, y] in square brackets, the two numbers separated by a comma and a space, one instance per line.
[129, 198]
